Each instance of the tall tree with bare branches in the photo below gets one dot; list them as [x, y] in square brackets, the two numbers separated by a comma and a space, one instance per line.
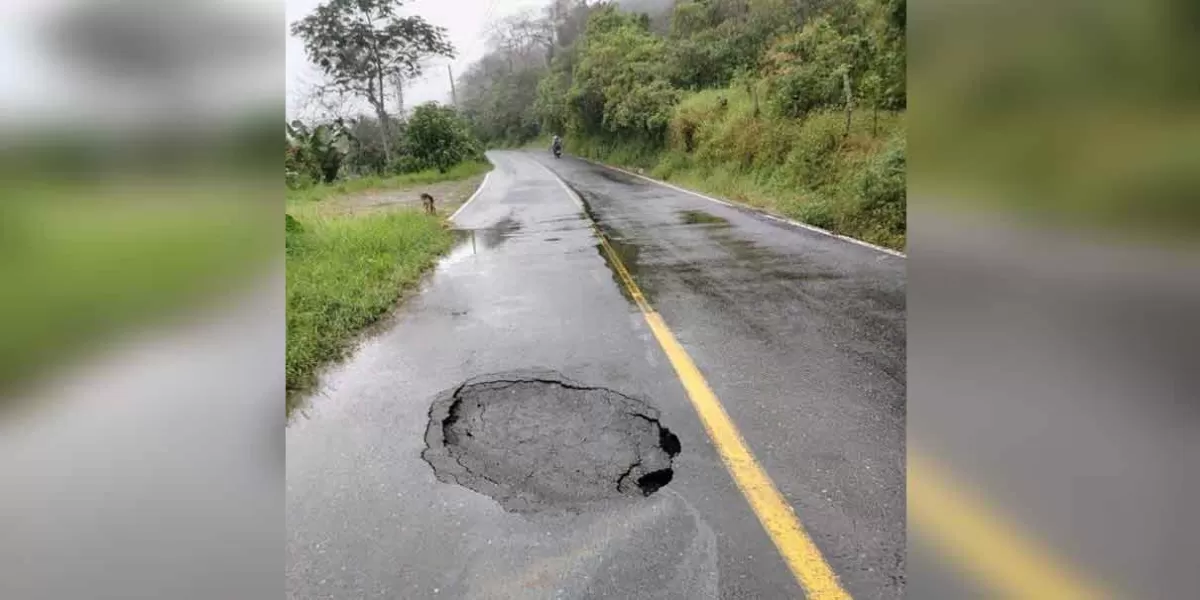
[364, 46]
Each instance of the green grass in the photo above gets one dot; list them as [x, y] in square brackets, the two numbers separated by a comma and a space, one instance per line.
[362, 184]
[82, 262]
[807, 169]
[343, 274]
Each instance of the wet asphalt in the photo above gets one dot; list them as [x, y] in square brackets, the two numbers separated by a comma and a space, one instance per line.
[801, 336]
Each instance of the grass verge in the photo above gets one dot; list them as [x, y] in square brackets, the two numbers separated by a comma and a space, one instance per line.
[321, 192]
[343, 274]
[83, 262]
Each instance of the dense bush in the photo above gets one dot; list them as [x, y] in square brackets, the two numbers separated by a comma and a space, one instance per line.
[437, 137]
[808, 68]
[620, 86]
[551, 104]
[810, 162]
[366, 155]
[881, 187]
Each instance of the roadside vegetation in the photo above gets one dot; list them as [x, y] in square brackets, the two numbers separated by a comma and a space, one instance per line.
[796, 107]
[121, 230]
[1032, 125]
[347, 268]
[349, 262]
[317, 193]
[344, 273]
[82, 261]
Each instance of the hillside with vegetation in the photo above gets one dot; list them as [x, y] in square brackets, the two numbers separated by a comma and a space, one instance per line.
[793, 106]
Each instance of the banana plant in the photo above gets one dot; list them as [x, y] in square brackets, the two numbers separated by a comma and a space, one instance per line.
[319, 150]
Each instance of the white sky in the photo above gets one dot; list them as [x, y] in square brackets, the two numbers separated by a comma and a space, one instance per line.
[38, 81]
[35, 83]
[466, 20]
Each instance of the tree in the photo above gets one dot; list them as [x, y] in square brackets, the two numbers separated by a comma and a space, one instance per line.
[568, 19]
[499, 93]
[617, 77]
[366, 146]
[437, 137]
[523, 40]
[619, 85]
[871, 89]
[808, 70]
[551, 106]
[363, 46]
[891, 39]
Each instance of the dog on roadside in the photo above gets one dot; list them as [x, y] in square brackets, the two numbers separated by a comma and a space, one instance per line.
[427, 202]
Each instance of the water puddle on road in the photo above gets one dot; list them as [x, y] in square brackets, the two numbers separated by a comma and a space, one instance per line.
[699, 217]
[471, 242]
[628, 255]
[626, 252]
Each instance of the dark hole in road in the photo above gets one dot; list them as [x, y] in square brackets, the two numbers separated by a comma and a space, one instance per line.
[536, 440]
[652, 482]
[697, 217]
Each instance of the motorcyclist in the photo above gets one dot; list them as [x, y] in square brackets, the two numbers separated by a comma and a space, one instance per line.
[556, 147]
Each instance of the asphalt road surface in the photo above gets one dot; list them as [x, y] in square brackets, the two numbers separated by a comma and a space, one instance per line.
[550, 397]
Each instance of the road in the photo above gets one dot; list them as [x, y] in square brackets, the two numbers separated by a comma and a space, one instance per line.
[799, 336]
[1053, 380]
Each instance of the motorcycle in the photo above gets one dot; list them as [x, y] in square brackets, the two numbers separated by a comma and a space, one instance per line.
[557, 152]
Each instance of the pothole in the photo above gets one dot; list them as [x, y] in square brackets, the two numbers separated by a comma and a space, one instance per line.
[536, 440]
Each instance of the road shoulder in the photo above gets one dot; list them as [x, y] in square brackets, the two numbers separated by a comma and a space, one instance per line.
[749, 208]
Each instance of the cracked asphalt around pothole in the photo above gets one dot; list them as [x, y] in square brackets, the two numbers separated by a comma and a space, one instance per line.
[800, 335]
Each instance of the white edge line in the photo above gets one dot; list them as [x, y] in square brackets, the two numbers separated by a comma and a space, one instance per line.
[478, 191]
[754, 210]
[570, 192]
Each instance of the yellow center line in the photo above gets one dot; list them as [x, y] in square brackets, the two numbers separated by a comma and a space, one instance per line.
[776, 515]
[962, 527]
[965, 530]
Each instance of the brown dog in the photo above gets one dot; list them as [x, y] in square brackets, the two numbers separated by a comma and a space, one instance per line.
[427, 201]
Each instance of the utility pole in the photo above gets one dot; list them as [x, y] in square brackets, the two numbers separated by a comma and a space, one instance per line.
[453, 93]
[399, 83]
